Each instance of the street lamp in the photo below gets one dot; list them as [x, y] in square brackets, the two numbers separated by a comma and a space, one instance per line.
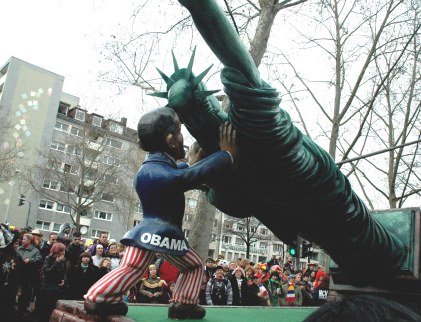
[12, 184]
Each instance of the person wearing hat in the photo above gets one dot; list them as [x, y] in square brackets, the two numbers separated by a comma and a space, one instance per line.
[219, 289]
[152, 287]
[291, 293]
[29, 274]
[274, 288]
[37, 241]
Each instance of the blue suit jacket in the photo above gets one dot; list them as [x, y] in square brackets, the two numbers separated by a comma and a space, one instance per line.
[160, 185]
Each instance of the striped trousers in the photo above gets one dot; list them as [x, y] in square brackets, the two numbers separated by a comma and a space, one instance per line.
[115, 284]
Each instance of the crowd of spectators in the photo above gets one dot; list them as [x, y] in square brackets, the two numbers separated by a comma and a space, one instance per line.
[37, 271]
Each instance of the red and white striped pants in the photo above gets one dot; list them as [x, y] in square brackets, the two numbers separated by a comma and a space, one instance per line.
[116, 283]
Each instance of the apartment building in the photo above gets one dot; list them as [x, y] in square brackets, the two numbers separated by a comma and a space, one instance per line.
[73, 165]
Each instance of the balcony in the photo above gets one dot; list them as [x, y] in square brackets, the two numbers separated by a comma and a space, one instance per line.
[242, 248]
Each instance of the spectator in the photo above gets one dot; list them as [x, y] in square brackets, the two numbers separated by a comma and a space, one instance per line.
[74, 250]
[37, 241]
[236, 281]
[207, 275]
[99, 252]
[274, 288]
[321, 291]
[29, 274]
[306, 288]
[289, 265]
[249, 289]
[272, 262]
[114, 256]
[291, 293]
[263, 294]
[64, 234]
[103, 240]
[104, 266]
[46, 247]
[230, 272]
[54, 270]
[218, 289]
[152, 287]
[81, 277]
[10, 262]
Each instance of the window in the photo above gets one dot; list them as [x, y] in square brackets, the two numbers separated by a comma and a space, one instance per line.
[192, 203]
[56, 227]
[62, 208]
[135, 222]
[96, 233]
[264, 231]
[80, 115]
[107, 159]
[42, 225]
[138, 207]
[61, 126]
[186, 233]
[75, 150]
[63, 108]
[109, 179]
[228, 224]
[103, 215]
[187, 217]
[114, 143]
[70, 169]
[76, 131]
[97, 121]
[239, 241]
[252, 229]
[53, 185]
[46, 204]
[117, 128]
[55, 145]
[277, 248]
[107, 197]
[263, 245]
[226, 239]
[240, 227]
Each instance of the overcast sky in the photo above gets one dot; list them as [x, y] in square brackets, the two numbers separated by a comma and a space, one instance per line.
[64, 37]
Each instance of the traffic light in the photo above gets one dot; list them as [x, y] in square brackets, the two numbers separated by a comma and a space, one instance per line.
[292, 249]
[306, 246]
[21, 200]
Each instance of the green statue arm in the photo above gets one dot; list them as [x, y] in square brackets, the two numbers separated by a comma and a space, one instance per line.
[222, 38]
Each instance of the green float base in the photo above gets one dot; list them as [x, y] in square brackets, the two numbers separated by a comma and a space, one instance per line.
[405, 287]
[72, 311]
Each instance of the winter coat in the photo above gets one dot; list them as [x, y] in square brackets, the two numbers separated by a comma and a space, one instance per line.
[79, 280]
[53, 272]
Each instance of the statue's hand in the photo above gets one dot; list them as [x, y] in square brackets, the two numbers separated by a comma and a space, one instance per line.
[228, 140]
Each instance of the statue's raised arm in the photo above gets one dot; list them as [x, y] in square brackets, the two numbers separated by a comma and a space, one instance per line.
[282, 178]
[222, 38]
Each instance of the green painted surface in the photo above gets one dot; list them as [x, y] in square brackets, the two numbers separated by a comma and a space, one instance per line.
[231, 314]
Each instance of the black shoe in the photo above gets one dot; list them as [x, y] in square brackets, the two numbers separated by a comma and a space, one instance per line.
[180, 311]
[119, 308]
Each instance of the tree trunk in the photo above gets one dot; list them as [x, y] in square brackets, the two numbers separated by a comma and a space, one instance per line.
[260, 40]
[202, 226]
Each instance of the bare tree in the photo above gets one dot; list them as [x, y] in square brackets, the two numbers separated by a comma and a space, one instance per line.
[246, 230]
[86, 170]
[11, 149]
